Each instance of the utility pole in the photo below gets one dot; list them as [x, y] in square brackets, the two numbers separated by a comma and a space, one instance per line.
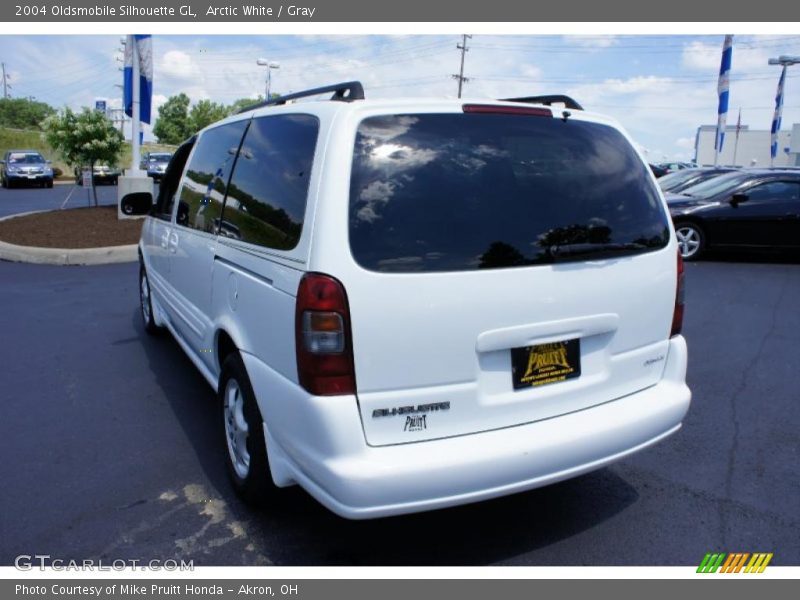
[460, 77]
[5, 82]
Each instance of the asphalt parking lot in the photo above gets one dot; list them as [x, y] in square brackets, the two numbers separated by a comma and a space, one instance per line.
[111, 449]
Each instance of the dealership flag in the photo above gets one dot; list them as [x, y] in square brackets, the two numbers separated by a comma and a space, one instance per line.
[776, 118]
[144, 49]
[723, 86]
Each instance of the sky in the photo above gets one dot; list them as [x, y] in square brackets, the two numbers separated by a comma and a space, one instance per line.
[659, 87]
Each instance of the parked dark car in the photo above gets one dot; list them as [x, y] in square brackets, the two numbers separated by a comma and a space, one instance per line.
[658, 171]
[680, 180]
[102, 174]
[155, 163]
[743, 209]
[25, 167]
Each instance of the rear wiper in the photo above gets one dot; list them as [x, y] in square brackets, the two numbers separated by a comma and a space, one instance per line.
[558, 251]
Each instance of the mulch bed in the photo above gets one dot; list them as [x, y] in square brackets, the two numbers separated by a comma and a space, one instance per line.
[72, 228]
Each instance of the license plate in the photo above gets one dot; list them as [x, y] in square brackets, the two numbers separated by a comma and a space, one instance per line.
[31, 176]
[533, 366]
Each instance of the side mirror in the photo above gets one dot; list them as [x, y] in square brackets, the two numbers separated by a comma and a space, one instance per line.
[136, 204]
[737, 199]
[182, 218]
[2, 162]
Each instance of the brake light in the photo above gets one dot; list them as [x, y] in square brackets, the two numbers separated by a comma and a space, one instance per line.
[322, 337]
[507, 110]
[677, 315]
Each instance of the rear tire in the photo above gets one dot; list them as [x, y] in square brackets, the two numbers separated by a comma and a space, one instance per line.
[243, 434]
[691, 240]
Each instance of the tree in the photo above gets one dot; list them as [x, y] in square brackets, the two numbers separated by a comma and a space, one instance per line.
[244, 103]
[23, 113]
[172, 124]
[83, 138]
[204, 113]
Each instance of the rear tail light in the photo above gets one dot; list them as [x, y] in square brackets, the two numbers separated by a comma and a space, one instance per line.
[322, 337]
[677, 315]
[507, 110]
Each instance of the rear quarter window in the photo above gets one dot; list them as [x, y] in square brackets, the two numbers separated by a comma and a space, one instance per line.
[268, 190]
[450, 192]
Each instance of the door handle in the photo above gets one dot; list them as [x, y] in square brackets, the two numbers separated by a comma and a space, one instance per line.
[173, 242]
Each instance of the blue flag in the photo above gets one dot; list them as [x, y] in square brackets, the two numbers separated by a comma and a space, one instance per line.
[144, 48]
[776, 117]
[723, 87]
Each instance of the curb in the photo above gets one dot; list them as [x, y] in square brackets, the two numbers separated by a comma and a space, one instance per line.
[66, 256]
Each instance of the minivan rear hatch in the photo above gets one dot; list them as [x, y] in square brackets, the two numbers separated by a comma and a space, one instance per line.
[513, 267]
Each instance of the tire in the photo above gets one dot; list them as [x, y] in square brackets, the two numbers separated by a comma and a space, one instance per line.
[49, 183]
[145, 304]
[243, 433]
[4, 182]
[691, 240]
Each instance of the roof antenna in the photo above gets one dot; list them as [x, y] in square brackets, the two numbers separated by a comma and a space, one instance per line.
[565, 115]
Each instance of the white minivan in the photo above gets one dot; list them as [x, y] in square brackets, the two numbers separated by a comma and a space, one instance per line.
[405, 305]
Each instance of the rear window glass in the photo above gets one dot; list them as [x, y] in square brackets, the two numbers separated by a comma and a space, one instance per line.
[450, 192]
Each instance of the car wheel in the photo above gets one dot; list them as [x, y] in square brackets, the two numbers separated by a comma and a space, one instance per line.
[4, 182]
[49, 183]
[246, 450]
[145, 302]
[691, 240]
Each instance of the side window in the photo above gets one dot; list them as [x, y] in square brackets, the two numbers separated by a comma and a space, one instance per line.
[203, 191]
[774, 191]
[267, 194]
[172, 178]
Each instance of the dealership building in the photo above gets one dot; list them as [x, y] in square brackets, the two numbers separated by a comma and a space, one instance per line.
[751, 150]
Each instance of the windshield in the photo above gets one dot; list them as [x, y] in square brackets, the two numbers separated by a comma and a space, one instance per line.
[25, 158]
[160, 157]
[716, 185]
[667, 182]
[454, 192]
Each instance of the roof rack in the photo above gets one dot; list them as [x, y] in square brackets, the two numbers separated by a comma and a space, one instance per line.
[548, 100]
[342, 92]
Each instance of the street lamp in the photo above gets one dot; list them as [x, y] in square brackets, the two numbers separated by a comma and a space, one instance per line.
[784, 61]
[263, 62]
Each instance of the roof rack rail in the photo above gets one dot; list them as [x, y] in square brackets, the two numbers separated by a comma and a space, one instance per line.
[548, 100]
[342, 92]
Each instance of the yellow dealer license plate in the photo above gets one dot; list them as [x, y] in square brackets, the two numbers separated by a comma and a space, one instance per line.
[545, 363]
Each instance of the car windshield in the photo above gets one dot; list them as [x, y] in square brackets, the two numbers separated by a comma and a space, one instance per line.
[717, 185]
[668, 182]
[25, 158]
[160, 157]
[457, 192]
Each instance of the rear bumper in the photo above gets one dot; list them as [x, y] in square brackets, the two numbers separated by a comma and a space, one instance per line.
[319, 443]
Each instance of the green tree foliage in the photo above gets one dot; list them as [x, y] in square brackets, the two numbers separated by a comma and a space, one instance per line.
[244, 103]
[23, 113]
[84, 138]
[172, 124]
[204, 113]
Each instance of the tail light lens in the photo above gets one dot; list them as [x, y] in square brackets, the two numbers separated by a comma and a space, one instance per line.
[322, 337]
[677, 315]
